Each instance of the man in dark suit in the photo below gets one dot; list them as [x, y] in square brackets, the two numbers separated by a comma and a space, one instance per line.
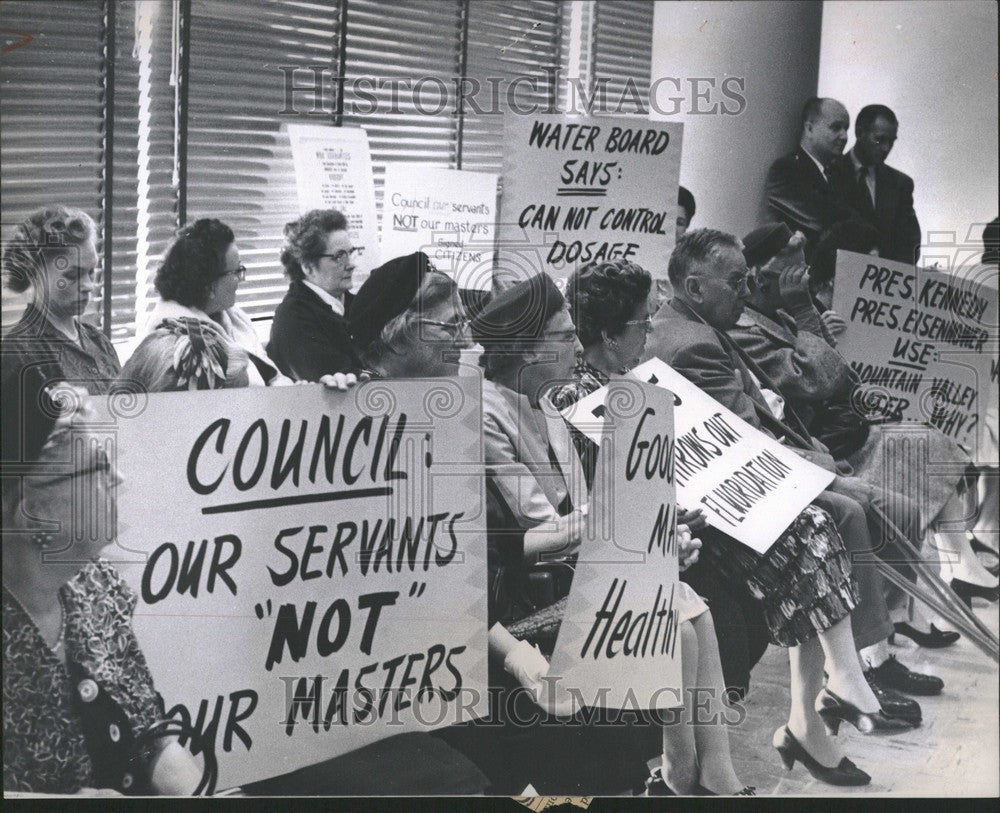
[798, 186]
[879, 194]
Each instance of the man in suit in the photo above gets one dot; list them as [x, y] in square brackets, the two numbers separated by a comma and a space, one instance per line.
[711, 283]
[798, 186]
[879, 194]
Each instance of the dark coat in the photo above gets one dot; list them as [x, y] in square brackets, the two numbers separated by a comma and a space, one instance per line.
[309, 340]
[798, 195]
[893, 214]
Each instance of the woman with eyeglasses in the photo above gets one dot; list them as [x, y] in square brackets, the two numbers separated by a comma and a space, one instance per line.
[309, 334]
[80, 710]
[198, 279]
[609, 302]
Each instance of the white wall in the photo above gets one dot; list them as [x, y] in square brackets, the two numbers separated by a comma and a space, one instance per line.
[935, 65]
[775, 47]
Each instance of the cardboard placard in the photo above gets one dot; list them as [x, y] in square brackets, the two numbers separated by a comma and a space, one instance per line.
[922, 342]
[333, 170]
[618, 645]
[582, 189]
[449, 214]
[310, 564]
[750, 486]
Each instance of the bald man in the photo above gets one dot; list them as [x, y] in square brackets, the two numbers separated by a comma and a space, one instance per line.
[798, 185]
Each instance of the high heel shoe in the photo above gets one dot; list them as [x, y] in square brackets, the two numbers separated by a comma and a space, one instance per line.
[968, 591]
[935, 639]
[979, 547]
[833, 710]
[845, 773]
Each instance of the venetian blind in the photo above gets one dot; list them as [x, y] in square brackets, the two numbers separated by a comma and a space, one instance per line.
[622, 50]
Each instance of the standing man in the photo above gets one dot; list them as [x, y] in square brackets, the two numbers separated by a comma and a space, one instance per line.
[881, 195]
[798, 186]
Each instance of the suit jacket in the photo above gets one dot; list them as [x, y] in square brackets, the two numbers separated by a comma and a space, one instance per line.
[713, 362]
[798, 356]
[892, 213]
[309, 340]
[798, 195]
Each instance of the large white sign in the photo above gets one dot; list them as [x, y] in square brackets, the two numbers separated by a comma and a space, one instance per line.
[310, 565]
[333, 170]
[750, 486]
[448, 214]
[577, 190]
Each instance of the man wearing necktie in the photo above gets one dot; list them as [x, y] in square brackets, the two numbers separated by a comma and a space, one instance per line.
[798, 187]
[881, 196]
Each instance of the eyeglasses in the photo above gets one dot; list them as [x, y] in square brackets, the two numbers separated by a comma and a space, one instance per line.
[343, 254]
[647, 323]
[240, 272]
[451, 328]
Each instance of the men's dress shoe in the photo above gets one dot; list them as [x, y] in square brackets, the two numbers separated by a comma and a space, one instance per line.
[894, 705]
[935, 639]
[894, 675]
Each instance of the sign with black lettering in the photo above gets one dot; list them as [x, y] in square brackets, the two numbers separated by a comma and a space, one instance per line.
[922, 342]
[310, 564]
[749, 485]
[579, 190]
[619, 642]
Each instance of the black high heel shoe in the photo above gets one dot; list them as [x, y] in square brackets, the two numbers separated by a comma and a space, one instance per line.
[833, 710]
[845, 773]
[968, 591]
[935, 639]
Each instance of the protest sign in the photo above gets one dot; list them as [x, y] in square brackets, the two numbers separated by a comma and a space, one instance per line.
[333, 170]
[449, 214]
[310, 564]
[922, 342]
[618, 645]
[749, 485]
[577, 190]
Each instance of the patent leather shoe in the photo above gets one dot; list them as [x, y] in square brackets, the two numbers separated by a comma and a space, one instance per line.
[935, 639]
[845, 773]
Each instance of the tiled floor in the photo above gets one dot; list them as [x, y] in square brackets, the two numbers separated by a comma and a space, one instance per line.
[954, 753]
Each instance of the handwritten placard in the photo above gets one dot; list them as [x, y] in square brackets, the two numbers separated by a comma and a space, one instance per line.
[449, 214]
[618, 645]
[578, 190]
[749, 485]
[333, 170]
[310, 565]
[922, 342]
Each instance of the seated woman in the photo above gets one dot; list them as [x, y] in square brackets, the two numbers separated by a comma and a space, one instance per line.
[78, 696]
[803, 581]
[51, 257]
[783, 333]
[198, 278]
[309, 337]
[609, 304]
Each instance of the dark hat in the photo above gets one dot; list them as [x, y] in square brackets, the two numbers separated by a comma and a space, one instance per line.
[386, 294]
[764, 243]
[686, 199]
[519, 312]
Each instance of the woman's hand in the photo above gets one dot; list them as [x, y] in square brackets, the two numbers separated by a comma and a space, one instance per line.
[687, 547]
[695, 520]
[174, 771]
[339, 381]
[98, 792]
[280, 380]
[834, 322]
[563, 539]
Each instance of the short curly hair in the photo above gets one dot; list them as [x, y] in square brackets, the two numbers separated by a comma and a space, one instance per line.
[195, 259]
[603, 296]
[305, 239]
[50, 227]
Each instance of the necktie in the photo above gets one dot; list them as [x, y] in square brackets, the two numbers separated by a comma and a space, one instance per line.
[863, 189]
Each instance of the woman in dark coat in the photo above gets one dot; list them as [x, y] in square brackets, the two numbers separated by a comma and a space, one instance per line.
[309, 335]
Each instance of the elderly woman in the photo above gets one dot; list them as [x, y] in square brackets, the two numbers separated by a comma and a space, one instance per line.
[309, 336]
[51, 257]
[198, 279]
[609, 303]
[78, 696]
[783, 333]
